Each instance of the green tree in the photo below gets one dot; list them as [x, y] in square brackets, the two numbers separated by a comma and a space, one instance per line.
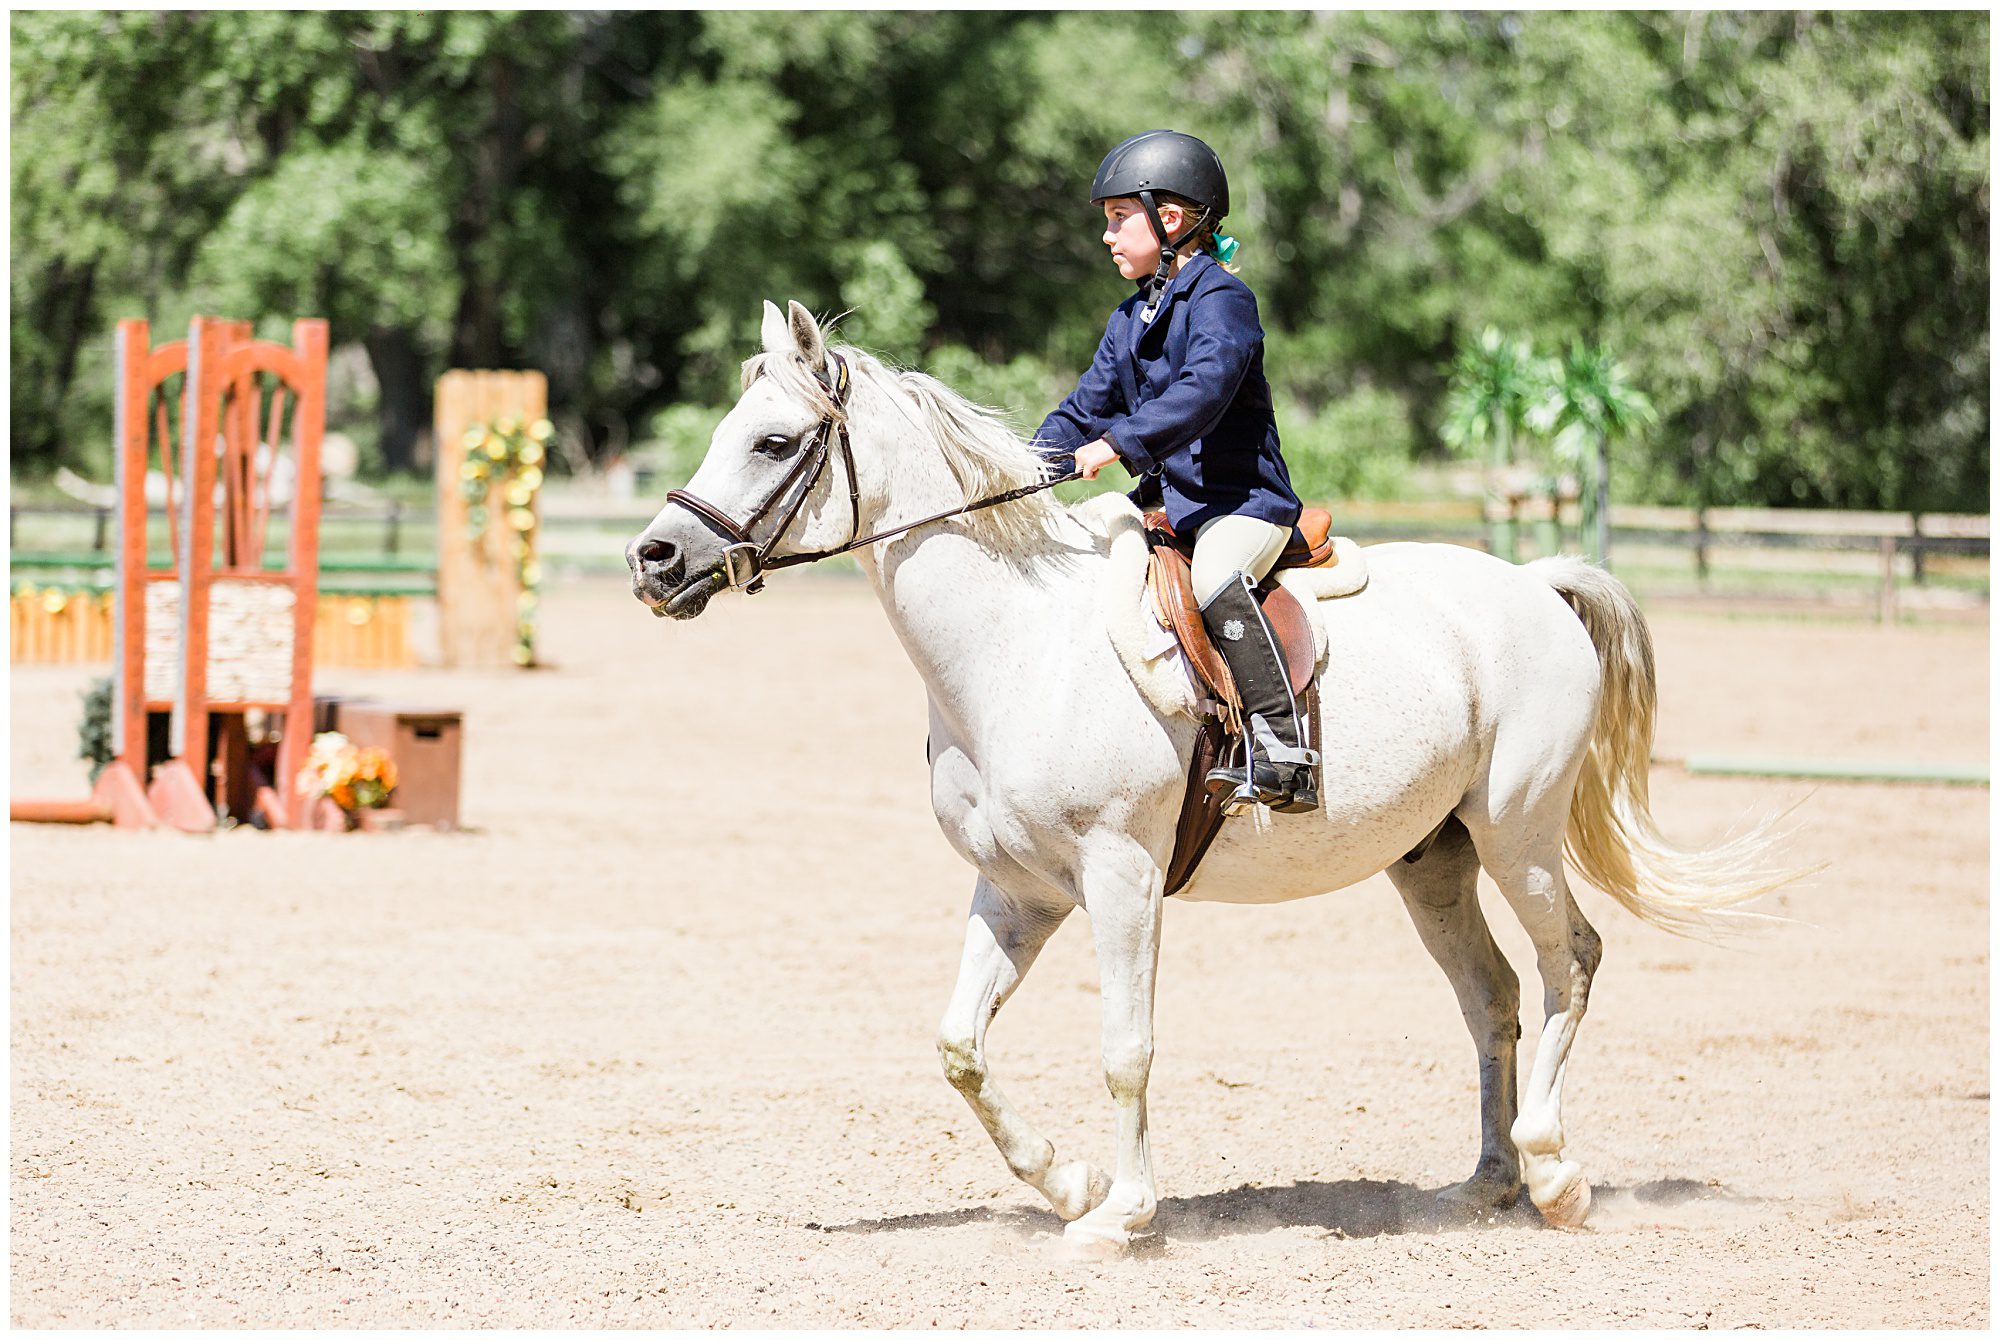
[1589, 400]
[354, 235]
[1495, 381]
[1778, 219]
[108, 204]
[187, 131]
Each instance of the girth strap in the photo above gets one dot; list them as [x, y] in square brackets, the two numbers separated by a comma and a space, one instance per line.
[1201, 813]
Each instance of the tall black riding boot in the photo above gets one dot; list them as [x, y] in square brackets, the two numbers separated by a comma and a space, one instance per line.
[1277, 768]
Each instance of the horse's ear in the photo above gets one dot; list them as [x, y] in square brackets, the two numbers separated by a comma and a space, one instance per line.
[777, 336]
[805, 331]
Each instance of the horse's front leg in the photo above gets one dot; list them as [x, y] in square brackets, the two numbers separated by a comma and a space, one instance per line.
[1122, 892]
[1002, 939]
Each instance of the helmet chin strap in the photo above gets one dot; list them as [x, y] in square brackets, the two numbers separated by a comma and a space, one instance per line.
[1156, 287]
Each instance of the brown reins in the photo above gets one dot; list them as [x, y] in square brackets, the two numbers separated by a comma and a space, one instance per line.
[744, 561]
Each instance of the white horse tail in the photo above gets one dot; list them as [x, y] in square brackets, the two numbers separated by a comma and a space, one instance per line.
[1612, 838]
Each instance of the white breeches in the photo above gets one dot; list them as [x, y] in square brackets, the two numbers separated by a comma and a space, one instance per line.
[1229, 544]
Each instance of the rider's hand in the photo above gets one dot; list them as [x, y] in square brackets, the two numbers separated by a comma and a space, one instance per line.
[1092, 457]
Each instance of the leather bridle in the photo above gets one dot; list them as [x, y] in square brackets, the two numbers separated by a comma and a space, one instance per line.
[745, 561]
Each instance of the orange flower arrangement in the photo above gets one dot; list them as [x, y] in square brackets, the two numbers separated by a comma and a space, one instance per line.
[351, 777]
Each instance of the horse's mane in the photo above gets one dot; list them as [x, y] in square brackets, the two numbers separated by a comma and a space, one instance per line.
[984, 452]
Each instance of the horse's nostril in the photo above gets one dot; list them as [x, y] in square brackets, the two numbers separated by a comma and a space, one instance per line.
[655, 551]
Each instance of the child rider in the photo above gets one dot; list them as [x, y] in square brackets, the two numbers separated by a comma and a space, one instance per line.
[1176, 394]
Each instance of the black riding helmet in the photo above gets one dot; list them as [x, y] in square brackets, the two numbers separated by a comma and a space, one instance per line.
[1164, 162]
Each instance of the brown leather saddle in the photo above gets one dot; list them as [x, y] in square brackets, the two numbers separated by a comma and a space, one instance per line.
[1168, 582]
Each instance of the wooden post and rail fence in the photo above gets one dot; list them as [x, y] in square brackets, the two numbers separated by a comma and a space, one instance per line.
[364, 617]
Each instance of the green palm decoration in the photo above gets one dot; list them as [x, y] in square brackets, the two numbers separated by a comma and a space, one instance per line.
[1589, 400]
[1495, 381]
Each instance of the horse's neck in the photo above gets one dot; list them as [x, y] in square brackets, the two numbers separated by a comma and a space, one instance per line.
[987, 631]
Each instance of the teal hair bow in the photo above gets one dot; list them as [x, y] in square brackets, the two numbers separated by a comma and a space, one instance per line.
[1225, 248]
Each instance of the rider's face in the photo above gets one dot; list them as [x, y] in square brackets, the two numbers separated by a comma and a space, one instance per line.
[1129, 234]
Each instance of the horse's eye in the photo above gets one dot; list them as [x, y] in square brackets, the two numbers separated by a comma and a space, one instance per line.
[777, 444]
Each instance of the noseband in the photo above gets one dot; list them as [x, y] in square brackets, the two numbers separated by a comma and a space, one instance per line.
[744, 561]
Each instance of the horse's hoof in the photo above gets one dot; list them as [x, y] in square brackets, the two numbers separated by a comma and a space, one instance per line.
[1480, 1194]
[1087, 1241]
[1075, 1189]
[1564, 1199]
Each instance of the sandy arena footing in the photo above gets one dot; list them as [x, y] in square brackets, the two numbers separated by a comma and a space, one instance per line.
[654, 1045]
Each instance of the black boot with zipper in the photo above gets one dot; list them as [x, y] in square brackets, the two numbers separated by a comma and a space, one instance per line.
[1277, 768]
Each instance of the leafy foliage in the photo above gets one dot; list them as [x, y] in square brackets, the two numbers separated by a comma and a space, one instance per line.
[1495, 381]
[1588, 397]
[1589, 401]
[94, 742]
[1356, 447]
[1778, 221]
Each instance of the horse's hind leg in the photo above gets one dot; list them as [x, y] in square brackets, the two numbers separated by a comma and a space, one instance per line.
[1002, 940]
[1441, 892]
[1524, 857]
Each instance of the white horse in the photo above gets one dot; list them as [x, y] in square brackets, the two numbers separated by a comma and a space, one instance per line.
[1514, 704]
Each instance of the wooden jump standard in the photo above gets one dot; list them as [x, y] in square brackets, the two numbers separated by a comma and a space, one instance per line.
[217, 635]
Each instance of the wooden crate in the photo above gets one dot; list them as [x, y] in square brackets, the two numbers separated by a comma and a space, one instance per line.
[425, 744]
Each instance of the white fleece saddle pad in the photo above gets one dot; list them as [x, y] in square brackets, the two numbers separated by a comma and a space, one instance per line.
[1150, 653]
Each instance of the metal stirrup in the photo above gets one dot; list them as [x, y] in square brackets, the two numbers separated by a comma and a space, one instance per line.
[1275, 750]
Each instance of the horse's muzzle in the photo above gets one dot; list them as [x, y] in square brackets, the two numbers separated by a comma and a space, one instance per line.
[660, 578]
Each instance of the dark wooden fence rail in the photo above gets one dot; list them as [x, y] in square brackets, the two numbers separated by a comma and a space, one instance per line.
[1701, 531]
[391, 516]
[1695, 528]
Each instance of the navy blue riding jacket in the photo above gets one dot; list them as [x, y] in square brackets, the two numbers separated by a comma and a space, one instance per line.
[1184, 403]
